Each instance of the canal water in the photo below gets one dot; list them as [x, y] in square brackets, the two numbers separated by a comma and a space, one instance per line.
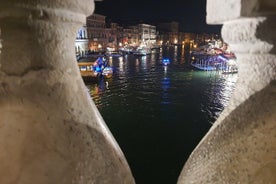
[159, 114]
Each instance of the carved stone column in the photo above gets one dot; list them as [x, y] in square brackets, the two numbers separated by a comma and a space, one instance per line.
[50, 130]
[241, 145]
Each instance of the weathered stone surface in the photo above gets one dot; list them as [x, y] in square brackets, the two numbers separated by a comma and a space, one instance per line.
[241, 148]
[50, 130]
[220, 11]
[253, 76]
[241, 145]
[251, 35]
[84, 7]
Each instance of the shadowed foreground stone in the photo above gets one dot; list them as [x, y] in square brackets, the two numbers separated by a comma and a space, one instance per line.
[241, 145]
[241, 149]
[50, 130]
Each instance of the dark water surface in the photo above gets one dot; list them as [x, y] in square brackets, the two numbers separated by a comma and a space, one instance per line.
[159, 114]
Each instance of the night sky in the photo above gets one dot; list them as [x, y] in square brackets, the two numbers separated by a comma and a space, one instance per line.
[191, 14]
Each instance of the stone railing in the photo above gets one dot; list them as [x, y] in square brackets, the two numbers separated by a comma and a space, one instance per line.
[50, 130]
[241, 145]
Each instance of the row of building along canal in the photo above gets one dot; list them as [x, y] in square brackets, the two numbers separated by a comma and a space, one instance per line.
[157, 113]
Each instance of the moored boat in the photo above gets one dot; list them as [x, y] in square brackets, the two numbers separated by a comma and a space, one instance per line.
[166, 61]
[214, 63]
[113, 54]
[88, 72]
[92, 71]
[107, 71]
[126, 50]
[141, 51]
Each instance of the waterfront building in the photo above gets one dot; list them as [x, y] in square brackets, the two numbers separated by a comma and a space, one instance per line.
[186, 39]
[168, 32]
[126, 40]
[81, 43]
[147, 34]
[113, 36]
[98, 35]
[131, 36]
[96, 28]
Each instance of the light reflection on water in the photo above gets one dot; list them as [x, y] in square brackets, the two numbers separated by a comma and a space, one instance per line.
[159, 114]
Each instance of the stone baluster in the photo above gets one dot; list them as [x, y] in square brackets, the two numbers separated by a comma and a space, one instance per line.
[50, 130]
[241, 146]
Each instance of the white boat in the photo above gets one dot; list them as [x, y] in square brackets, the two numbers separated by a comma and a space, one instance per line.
[141, 51]
[113, 54]
[126, 50]
[107, 71]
